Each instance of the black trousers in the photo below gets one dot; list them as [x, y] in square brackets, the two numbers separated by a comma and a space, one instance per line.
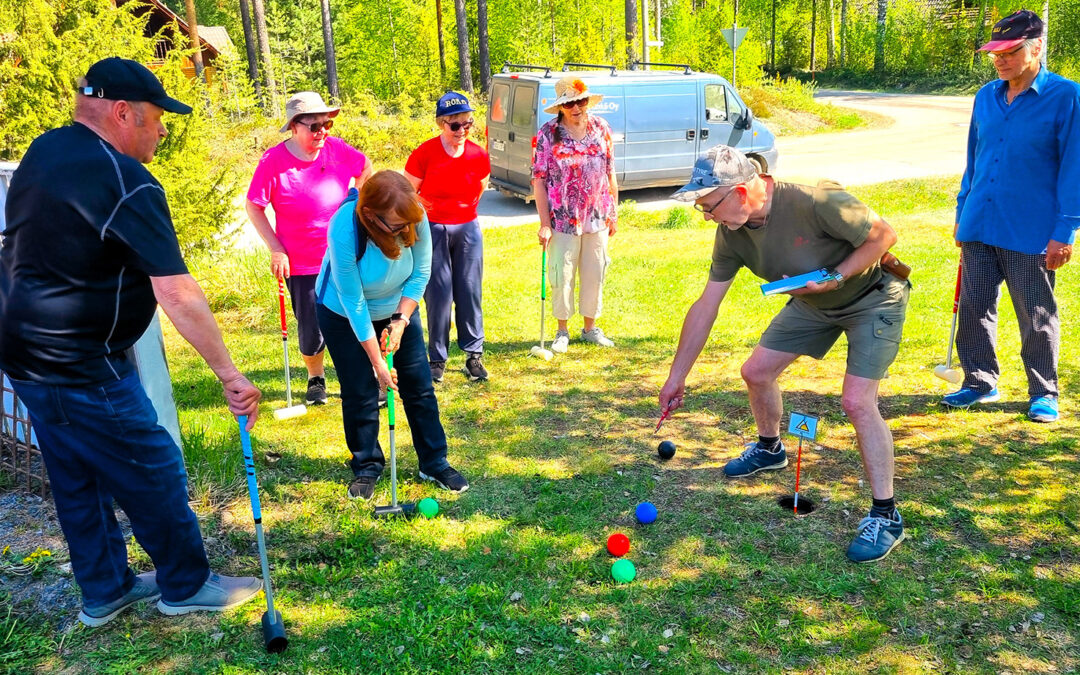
[360, 394]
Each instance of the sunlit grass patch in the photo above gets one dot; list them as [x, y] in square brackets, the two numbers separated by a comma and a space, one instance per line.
[513, 576]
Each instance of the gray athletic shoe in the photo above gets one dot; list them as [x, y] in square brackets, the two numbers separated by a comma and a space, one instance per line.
[876, 538]
[597, 337]
[145, 588]
[561, 342]
[217, 594]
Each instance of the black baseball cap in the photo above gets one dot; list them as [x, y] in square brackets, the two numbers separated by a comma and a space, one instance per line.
[1013, 30]
[120, 79]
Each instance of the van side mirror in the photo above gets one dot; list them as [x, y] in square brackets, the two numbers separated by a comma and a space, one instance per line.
[745, 120]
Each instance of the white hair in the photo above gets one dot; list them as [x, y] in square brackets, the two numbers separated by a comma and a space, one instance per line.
[1031, 43]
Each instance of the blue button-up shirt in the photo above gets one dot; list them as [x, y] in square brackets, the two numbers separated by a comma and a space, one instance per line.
[1021, 187]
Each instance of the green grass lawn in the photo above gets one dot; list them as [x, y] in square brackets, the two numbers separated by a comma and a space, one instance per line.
[512, 576]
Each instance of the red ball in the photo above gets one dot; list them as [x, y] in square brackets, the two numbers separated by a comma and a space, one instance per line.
[618, 545]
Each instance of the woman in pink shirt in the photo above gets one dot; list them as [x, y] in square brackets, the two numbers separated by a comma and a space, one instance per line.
[304, 179]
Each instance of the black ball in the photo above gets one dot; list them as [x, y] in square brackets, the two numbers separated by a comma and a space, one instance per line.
[666, 449]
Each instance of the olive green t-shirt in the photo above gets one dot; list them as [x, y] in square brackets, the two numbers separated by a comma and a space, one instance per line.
[808, 228]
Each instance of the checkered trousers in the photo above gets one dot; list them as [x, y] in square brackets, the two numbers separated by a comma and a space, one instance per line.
[1031, 287]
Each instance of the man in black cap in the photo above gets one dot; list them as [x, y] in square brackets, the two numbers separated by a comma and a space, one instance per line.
[1017, 214]
[89, 251]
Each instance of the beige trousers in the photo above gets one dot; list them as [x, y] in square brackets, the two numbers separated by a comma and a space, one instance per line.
[585, 256]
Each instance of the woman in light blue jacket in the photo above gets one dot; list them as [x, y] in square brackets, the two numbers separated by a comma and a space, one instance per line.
[377, 265]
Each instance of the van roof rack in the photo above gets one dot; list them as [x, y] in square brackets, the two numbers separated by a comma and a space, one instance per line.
[525, 66]
[613, 69]
[685, 66]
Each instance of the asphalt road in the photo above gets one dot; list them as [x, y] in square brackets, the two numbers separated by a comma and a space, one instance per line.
[927, 138]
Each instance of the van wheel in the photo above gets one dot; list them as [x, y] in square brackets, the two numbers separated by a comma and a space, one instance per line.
[761, 165]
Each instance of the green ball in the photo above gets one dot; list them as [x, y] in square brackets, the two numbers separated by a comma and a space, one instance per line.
[428, 507]
[623, 571]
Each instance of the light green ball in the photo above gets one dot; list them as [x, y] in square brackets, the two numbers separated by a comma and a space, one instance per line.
[429, 508]
[623, 571]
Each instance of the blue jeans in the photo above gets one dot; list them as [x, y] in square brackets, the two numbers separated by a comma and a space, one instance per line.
[360, 394]
[103, 443]
[457, 274]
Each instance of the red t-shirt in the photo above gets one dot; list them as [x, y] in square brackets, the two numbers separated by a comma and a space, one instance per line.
[450, 187]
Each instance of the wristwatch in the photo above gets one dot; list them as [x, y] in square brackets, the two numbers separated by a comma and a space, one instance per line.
[398, 316]
[838, 278]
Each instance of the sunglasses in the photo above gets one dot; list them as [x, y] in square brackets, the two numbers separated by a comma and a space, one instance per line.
[393, 230]
[570, 105]
[316, 127]
[457, 126]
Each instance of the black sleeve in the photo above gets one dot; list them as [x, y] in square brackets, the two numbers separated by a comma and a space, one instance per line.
[142, 223]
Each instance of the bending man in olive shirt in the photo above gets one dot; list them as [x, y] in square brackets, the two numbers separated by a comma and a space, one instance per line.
[779, 230]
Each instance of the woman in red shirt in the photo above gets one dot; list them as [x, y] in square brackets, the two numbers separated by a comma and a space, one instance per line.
[450, 172]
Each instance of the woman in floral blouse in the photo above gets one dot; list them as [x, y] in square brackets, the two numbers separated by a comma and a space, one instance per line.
[576, 194]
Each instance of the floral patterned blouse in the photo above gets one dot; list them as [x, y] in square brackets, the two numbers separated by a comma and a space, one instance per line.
[576, 175]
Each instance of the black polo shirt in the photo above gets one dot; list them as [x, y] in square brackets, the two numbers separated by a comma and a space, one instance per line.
[86, 229]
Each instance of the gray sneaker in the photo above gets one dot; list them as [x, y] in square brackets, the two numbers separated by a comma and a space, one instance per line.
[217, 594]
[561, 342]
[597, 337]
[145, 588]
[876, 538]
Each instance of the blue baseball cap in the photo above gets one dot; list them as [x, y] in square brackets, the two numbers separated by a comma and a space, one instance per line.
[452, 103]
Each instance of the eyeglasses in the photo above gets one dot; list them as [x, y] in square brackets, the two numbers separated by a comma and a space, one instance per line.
[393, 230]
[700, 208]
[316, 127]
[456, 126]
[570, 105]
[1004, 55]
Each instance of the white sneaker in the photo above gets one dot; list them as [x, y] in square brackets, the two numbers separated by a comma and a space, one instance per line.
[597, 337]
[561, 342]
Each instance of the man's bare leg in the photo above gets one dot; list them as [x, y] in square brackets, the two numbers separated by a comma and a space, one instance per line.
[760, 372]
[883, 530]
[875, 440]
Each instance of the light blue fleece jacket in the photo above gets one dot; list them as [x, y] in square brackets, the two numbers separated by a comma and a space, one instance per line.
[371, 289]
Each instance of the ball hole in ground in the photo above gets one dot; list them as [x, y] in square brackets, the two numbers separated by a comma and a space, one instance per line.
[806, 505]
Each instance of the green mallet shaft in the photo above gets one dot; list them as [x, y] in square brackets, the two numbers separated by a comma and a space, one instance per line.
[390, 411]
[543, 293]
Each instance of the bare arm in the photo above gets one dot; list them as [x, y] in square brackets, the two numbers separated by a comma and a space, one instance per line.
[185, 305]
[279, 259]
[358, 181]
[542, 210]
[695, 331]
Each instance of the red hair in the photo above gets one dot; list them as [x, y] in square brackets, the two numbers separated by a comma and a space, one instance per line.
[388, 192]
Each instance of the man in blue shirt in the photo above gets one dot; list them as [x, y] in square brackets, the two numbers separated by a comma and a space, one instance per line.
[1017, 214]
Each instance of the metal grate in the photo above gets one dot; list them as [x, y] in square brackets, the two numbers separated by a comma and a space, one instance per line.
[19, 456]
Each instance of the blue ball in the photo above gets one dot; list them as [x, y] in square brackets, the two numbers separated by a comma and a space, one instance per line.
[645, 512]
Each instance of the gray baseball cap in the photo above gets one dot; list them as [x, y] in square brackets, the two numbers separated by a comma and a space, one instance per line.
[719, 166]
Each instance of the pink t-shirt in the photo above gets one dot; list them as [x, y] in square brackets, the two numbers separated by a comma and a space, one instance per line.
[305, 196]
